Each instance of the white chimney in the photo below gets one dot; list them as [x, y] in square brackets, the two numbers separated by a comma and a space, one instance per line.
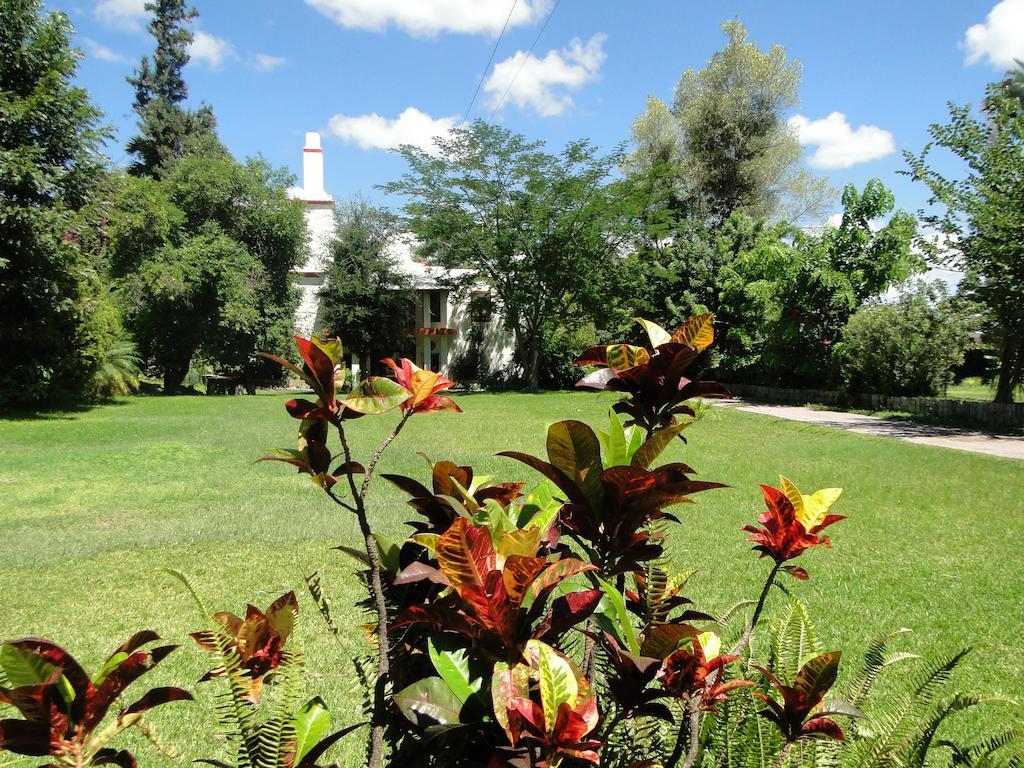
[313, 168]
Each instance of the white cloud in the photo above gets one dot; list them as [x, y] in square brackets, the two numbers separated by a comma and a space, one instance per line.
[126, 14]
[1000, 39]
[210, 50]
[101, 52]
[542, 82]
[266, 62]
[376, 132]
[426, 18]
[839, 145]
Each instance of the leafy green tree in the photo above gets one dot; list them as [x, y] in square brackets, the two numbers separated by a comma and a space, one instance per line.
[366, 301]
[787, 294]
[837, 272]
[542, 230]
[727, 139]
[165, 127]
[908, 347]
[202, 260]
[983, 214]
[54, 319]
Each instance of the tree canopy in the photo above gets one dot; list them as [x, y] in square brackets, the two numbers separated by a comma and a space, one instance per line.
[981, 211]
[542, 230]
[202, 261]
[727, 138]
[54, 320]
[366, 301]
[165, 126]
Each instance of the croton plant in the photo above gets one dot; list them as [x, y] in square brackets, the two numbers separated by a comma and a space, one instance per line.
[534, 626]
[518, 625]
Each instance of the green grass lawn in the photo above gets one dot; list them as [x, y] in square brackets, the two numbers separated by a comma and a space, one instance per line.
[94, 504]
[971, 389]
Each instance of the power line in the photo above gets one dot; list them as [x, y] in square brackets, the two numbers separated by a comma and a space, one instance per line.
[525, 58]
[494, 50]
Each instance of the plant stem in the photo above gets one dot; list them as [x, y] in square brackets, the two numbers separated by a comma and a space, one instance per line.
[784, 754]
[376, 758]
[756, 615]
[692, 722]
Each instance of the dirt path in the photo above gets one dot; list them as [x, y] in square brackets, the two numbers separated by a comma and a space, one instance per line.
[960, 438]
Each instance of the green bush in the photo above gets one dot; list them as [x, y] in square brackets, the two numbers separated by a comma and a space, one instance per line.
[909, 347]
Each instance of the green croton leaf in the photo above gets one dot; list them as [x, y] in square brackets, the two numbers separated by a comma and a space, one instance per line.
[451, 661]
[574, 449]
[653, 446]
[618, 444]
[23, 668]
[618, 615]
[376, 395]
[557, 681]
[429, 701]
[312, 722]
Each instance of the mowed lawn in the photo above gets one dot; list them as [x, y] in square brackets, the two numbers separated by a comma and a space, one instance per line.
[94, 504]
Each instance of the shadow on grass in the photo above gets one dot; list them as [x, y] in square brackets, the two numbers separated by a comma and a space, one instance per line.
[927, 425]
[56, 412]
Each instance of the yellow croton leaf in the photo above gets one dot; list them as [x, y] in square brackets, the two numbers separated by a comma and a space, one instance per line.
[810, 510]
[624, 356]
[422, 384]
[655, 332]
[698, 332]
[711, 643]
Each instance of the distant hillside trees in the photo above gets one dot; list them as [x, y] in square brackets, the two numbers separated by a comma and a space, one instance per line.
[56, 323]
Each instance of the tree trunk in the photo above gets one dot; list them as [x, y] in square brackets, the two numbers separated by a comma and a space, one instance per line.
[173, 376]
[532, 366]
[1007, 367]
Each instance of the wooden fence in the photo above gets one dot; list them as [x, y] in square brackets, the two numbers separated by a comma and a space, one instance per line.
[999, 416]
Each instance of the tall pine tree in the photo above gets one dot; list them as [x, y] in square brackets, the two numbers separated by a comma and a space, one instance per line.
[165, 126]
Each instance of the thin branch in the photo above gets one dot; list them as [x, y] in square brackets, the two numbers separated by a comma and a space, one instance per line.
[692, 723]
[377, 747]
[756, 616]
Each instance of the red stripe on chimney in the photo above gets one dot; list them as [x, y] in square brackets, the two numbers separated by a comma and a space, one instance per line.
[311, 150]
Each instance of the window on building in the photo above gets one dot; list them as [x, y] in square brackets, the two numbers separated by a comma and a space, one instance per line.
[481, 308]
[435, 306]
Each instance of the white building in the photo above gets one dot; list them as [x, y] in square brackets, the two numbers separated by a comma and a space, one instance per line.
[444, 326]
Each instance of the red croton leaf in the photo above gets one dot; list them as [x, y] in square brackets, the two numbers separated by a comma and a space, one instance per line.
[782, 536]
[799, 715]
[258, 639]
[423, 387]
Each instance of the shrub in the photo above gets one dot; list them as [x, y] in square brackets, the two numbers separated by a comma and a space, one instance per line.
[908, 347]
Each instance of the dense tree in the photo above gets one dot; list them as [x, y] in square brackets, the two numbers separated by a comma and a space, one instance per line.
[165, 127]
[982, 212]
[366, 301]
[907, 347]
[727, 138]
[542, 230]
[54, 320]
[787, 294]
[202, 260]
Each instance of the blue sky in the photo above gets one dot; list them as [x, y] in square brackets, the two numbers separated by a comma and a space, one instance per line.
[368, 73]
